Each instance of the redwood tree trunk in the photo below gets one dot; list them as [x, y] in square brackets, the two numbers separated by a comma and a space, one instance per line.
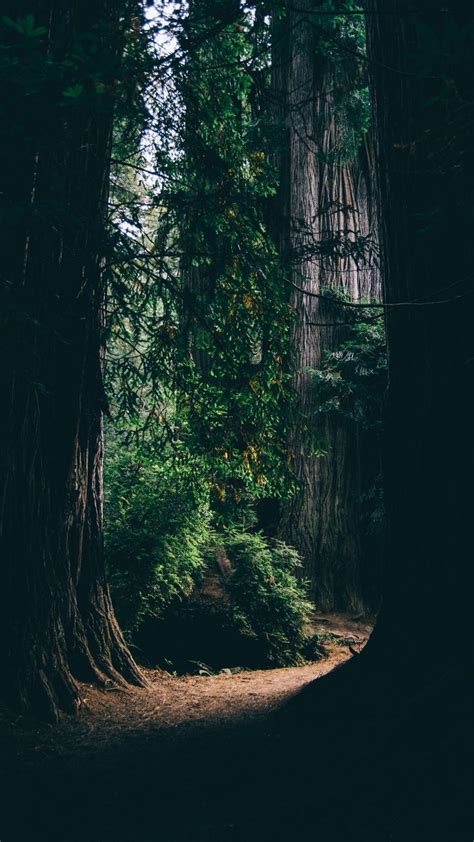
[56, 619]
[423, 112]
[325, 196]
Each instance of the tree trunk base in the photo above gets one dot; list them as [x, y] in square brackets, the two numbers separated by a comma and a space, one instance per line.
[95, 652]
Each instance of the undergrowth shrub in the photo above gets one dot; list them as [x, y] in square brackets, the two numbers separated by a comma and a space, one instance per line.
[161, 542]
[268, 601]
[157, 527]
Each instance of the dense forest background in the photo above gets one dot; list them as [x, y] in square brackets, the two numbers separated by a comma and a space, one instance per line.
[236, 360]
[227, 327]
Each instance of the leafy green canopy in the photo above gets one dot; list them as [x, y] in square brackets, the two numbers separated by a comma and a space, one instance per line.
[199, 312]
[200, 358]
[198, 355]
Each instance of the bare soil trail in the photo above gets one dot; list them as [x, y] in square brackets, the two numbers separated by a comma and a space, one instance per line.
[180, 761]
[264, 756]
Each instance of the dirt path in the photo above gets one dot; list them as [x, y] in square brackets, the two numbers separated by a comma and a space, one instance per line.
[176, 755]
[176, 701]
[172, 701]
[169, 704]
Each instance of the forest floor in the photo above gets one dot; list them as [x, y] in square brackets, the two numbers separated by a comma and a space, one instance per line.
[191, 759]
[166, 763]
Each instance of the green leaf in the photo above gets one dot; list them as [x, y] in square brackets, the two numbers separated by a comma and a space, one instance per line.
[74, 91]
[25, 26]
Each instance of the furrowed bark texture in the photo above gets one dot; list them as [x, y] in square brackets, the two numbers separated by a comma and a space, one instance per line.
[423, 112]
[56, 618]
[323, 196]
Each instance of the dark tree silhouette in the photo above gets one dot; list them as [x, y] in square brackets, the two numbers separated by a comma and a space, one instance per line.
[422, 101]
[56, 618]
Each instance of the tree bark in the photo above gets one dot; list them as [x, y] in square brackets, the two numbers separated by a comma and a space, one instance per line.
[425, 132]
[324, 196]
[56, 618]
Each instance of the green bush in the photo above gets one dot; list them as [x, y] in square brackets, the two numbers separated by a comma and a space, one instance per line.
[352, 380]
[269, 603]
[160, 544]
[157, 526]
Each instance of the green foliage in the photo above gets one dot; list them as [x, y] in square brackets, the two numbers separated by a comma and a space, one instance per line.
[160, 542]
[352, 383]
[199, 325]
[157, 527]
[352, 379]
[340, 38]
[25, 26]
[269, 602]
[199, 317]
[200, 350]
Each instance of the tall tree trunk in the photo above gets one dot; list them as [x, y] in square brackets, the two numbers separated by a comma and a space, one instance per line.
[326, 197]
[56, 618]
[422, 100]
